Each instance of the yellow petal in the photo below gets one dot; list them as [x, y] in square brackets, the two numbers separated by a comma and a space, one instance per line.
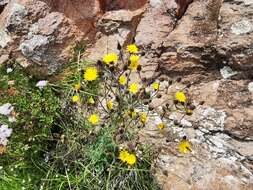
[180, 96]
[184, 146]
[75, 98]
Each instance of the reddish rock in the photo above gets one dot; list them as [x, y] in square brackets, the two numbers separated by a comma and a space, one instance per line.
[39, 40]
[83, 13]
[110, 5]
[115, 27]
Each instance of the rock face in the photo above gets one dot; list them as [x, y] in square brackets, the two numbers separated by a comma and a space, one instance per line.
[83, 12]
[210, 48]
[38, 39]
[116, 27]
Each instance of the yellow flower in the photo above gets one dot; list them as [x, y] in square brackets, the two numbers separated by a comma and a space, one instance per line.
[77, 86]
[134, 58]
[91, 100]
[122, 80]
[75, 98]
[132, 48]
[184, 146]
[133, 88]
[131, 159]
[91, 74]
[109, 105]
[94, 119]
[110, 58]
[143, 117]
[161, 126]
[180, 96]
[133, 66]
[155, 85]
[133, 114]
[134, 62]
[189, 111]
[123, 155]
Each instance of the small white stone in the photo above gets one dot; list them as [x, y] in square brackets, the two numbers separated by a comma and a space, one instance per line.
[9, 70]
[227, 72]
[6, 109]
[41, 84]
[250, 86]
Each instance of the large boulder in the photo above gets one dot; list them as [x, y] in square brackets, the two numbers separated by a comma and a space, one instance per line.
[211, 35]
[41, 40]
[115, 27]
[83, 13]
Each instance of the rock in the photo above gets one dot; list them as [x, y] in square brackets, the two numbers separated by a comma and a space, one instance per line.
[9, 70]
[153, 28]
[3, 3]
[84, 13]
[4, 58]
[236, 36]
[217, 159]
[212, 34]
[227, 72]
[50, 36]
[201, 172]
[5, 39]
[250, 86]
[115, 27]
[123, 4]
[242, 27]
[186, 50]
[41, 41]
[41, 84]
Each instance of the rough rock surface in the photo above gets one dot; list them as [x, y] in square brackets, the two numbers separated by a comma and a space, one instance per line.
[115, 27]
[39, 40]
[83, 12]
[210, 47]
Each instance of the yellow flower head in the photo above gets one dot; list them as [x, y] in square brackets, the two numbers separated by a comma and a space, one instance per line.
[155, 85]
[91, 100]
[91, 74]
[122, 80]
[75, 98]
[161, 126]
[131, 159]
[132, 48]
[143, 117]
[189, 111]
[133, 88]
[110, 58]
[134, 58]
[133, 114]
[109, 105]
[77, 86]
[184, 146]
[94, 119]
[123, 155]
[133, 66]
[180, 96]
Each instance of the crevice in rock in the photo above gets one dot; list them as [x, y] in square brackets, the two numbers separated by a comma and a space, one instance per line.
[3, 3]
[228, 133]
